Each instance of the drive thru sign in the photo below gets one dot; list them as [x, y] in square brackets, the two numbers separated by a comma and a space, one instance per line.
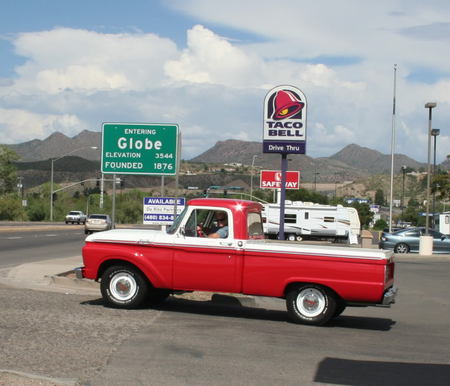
[139, 148]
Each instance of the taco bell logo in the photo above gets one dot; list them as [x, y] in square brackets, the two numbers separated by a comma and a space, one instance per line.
[284, 121]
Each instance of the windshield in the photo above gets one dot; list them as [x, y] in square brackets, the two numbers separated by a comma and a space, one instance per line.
[177, 221]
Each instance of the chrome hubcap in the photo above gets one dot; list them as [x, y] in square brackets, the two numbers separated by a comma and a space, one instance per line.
[123, 286]
[310, 302]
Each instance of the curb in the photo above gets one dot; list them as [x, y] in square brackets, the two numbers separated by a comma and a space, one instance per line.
[12, 377]
[68, 280]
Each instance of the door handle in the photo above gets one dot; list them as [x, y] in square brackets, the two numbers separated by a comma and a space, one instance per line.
[228, 244]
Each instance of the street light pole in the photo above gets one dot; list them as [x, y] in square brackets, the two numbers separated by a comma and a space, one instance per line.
[392, 150]
[403, 189]
[430, 106]
[53, 160]
[251, 177]
[434, 133]
[315, 180]
[51, 190]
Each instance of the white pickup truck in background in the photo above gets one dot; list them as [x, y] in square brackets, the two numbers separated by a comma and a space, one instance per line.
[75, 216]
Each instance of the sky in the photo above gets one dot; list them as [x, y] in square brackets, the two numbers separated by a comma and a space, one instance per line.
[207, 65]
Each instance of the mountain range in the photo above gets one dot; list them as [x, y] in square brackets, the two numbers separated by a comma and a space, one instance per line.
[352, 162]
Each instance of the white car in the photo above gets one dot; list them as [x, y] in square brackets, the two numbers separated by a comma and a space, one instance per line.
[75, 216]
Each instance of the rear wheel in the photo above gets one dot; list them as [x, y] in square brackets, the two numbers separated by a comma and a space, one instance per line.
[124, 287]
[310, 304]
[290, 237]
[401, 248]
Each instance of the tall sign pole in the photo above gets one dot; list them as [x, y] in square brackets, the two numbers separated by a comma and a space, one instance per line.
[284, 131]
[391, 193]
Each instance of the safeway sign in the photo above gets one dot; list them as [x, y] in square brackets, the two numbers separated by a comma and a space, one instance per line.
[271, 179]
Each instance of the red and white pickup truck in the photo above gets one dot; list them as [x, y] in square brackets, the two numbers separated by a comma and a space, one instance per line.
[137, 265]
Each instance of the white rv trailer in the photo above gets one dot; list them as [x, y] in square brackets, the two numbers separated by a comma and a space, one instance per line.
[307, 219]
[444, 223]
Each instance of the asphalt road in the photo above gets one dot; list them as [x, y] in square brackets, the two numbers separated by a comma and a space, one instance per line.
[24, 246]
[193, 342]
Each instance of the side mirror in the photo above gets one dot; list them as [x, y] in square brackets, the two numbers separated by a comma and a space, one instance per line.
[182, 231]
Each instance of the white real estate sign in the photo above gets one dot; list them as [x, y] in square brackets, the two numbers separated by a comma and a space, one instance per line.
[161, 210]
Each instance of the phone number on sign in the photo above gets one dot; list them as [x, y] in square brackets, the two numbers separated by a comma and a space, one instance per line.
[158, 217]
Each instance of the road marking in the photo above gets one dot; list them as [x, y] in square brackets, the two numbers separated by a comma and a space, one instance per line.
[51, 235]
[14, 237]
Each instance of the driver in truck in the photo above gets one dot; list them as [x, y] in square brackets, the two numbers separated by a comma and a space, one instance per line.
[221, 230]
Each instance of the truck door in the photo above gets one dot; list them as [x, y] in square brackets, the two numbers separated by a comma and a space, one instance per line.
[203, 263]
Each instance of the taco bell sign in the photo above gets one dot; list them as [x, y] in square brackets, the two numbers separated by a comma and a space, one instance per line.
[284, 127]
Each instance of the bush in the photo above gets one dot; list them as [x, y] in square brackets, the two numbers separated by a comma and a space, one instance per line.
[37, 211]
[10, 207]
[380, 225]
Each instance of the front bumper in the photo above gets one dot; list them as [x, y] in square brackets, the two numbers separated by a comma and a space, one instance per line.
[79, 272]
[389, 296]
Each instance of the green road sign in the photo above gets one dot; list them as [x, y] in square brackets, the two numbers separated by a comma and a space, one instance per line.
[139, 148]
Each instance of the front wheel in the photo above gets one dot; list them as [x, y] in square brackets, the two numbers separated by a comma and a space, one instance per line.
[124, 287]
[340, 308]
[310, 304]
[401, 248]
[291, 237]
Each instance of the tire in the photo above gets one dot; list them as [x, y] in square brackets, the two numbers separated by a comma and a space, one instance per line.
[340, 308]
[310, 304]
[124, 287]
[86, 232]
[401, 248]
[290, 237]
[67, 222]
[299, 238]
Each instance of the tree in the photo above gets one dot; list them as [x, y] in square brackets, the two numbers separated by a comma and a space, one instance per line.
[441, 186]
[365, 215]
[306, 196]
[8, 176]
[380, 224]
[379, 197]
[10, 207]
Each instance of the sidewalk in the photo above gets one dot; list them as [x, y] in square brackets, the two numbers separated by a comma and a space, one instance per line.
[50, 275]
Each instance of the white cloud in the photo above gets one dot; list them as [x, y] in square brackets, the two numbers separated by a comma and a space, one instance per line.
[340, 56]
[89, 61]
[20, 125]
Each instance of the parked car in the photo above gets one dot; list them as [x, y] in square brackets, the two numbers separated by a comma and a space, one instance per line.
[97, 222]
[408, 240]
[76, 216]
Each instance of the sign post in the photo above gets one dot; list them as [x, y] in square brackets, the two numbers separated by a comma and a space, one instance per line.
[284, 131]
